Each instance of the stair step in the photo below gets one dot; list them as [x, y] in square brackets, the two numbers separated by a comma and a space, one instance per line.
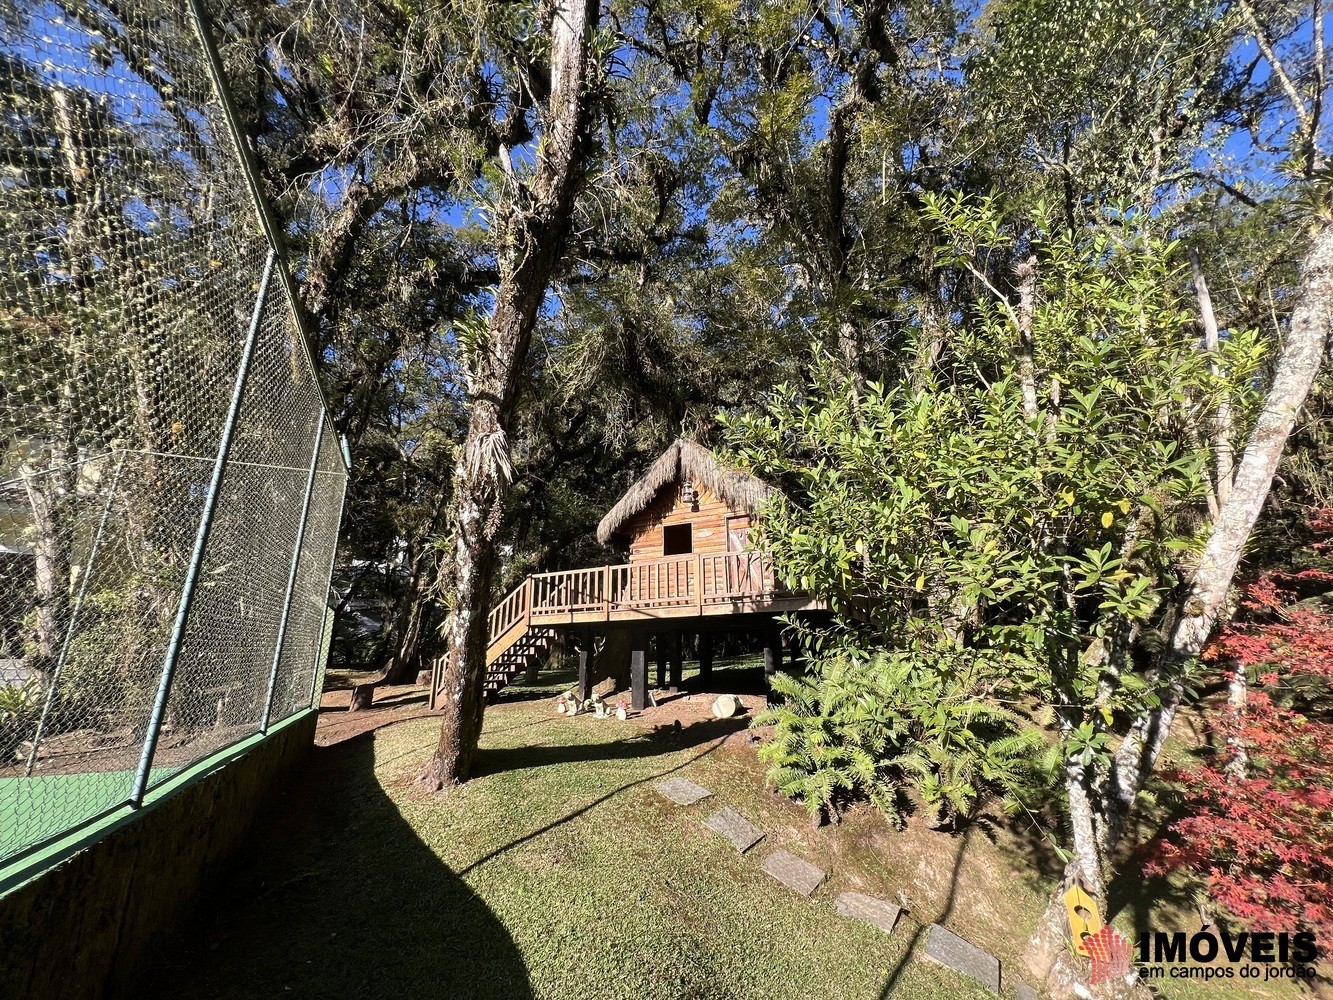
[516, 658]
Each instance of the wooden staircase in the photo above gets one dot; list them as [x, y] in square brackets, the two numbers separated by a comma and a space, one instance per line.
[503, 667]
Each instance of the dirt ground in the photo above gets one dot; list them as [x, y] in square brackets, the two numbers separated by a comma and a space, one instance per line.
[399, 703]
[392, 704]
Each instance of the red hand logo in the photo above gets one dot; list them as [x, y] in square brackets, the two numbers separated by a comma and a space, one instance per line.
[1110, 952]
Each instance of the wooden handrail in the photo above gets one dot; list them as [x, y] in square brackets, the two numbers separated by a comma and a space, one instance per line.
[692, 581]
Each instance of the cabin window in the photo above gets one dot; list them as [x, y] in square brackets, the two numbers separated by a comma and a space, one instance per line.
[738, 532]
[677, 539]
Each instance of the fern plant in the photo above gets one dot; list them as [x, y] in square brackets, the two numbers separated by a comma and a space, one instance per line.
[832, 740]
[869, 729]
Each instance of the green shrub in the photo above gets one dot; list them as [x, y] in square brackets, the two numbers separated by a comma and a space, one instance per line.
[871, 728]
[19, 707]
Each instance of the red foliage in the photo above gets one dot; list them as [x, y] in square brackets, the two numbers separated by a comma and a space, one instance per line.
[1272, 628]
[1299, 639]
[1263, 843]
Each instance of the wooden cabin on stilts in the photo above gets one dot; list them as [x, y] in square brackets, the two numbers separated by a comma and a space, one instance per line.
[684, 531]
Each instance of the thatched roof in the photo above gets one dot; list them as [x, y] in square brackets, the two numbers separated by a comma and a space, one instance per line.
[685, 460]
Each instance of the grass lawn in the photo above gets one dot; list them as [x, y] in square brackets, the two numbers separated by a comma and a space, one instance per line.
[559, 873]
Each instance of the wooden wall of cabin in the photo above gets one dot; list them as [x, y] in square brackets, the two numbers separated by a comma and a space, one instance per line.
[709, 522]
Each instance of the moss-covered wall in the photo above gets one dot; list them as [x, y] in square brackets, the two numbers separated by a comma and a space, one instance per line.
[84, 929]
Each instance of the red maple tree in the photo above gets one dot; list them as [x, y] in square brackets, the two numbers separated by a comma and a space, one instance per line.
[1262, 841]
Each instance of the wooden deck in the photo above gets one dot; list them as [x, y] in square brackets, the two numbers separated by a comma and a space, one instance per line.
[675, 589]
[671, 588]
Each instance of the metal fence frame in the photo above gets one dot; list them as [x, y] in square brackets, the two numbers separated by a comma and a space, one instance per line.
[36, 855]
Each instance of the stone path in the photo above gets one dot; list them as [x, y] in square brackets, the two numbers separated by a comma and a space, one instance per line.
[682, 791]
[879, 912]
[794, 873]
[947, 948]
[736, 828]
[942, 945]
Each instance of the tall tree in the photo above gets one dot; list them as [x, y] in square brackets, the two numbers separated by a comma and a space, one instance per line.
[370, 127]
[530, 218]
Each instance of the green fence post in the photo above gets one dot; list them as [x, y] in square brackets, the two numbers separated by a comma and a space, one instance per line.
[325, 634]
[200, 544]
[291, 576]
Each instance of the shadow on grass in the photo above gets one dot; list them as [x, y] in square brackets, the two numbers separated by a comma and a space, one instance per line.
[922, 924]
[659, 742]
[1148, 900]
[519, 691]
[336, 896]
[663, 740]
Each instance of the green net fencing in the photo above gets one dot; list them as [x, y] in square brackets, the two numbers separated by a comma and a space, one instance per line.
[170, 483]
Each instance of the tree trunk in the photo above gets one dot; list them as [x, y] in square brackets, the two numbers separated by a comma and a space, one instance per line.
[613, 659]
[1026, 274]
[1088, 863]
[410, 631]
[1238, 697]
[1110, 797]
[1223, 462]
[530, 230]
[50, 473]
[49, 491]
[413, 648]
[1302, 353]
[479, 491]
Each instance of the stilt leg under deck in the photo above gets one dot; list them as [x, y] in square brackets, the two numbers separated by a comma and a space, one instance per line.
[638, 673]
[585, 666]
[660, 648]
[705, 656]
[674, 642]
[772, 654]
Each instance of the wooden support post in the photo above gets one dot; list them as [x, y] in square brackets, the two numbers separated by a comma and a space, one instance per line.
[699, 583]
[534, 662]
[772, 652]
[660, 642]
[796, 661]
[638, 672]
[585, 666]
[674, 658]
[705, 656]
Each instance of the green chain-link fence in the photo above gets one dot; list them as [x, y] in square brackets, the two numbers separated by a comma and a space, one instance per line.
[170, 485]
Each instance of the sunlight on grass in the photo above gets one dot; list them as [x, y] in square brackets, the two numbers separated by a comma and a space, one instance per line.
[610, 891]
[558, 873]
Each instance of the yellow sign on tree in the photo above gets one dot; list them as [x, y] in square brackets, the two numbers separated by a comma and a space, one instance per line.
[1084, 918]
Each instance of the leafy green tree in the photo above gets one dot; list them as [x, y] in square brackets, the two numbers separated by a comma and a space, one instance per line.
[1023, 523]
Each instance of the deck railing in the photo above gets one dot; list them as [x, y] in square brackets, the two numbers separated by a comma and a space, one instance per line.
[509, 612]
[673, 583]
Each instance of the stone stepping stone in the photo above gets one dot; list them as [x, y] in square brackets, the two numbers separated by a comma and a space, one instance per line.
[951, 951]
[736, 828]
[879, 912]
[1024, 992]
[682, 791]
[794, 873]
